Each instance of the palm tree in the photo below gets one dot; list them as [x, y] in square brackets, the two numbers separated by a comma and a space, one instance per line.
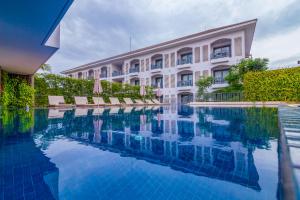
[46, 67]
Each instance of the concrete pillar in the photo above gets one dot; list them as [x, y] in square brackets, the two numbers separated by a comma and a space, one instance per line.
[31, 80]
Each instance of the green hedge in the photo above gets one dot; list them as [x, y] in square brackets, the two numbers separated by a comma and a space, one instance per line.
[17, 92]
[51, 84]
[273, 85]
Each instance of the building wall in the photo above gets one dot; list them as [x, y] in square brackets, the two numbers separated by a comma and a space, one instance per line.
[202, 65]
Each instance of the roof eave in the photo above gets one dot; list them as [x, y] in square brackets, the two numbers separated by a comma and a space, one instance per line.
[205, 34]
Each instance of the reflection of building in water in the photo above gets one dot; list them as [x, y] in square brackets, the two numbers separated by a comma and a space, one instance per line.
[26, 171]
[180, 142]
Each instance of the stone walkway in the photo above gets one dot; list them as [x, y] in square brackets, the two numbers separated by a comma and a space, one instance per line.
[237, 104]
[289, 121]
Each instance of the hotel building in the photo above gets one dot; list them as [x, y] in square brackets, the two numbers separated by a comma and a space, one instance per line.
[176, 65]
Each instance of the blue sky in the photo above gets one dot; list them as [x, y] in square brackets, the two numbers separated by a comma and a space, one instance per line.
[95, 29]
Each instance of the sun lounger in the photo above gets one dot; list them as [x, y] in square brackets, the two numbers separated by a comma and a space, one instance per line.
[129, 102]
[158, 103]
[149, 102]
[82, 101]
[57, 101]
[140, 102]
[114, 101]
[99, 101]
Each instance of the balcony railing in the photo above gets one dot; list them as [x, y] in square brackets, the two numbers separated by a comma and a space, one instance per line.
[220, 55]
[156, 66]
[217, 97]
[157, 85]
[219, 80]
[185, 83]
[117, 73]
[134, 70]
[184, 61]
[103, 75]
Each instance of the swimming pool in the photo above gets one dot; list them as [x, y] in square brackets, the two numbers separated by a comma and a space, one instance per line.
[139, 153]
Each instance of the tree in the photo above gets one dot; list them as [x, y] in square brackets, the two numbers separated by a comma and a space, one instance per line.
[46, 68]
[236, 73]
[203, 83]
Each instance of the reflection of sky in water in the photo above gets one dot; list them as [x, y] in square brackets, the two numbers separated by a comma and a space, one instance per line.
[207, 153]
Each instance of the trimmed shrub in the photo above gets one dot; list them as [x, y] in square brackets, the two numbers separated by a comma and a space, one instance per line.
[273, 85]
[51, 84]
[16, 91]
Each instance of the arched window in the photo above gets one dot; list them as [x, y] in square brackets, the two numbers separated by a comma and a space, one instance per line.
[134, 66]
[91, 74]
[103, 72]
[221, 48]
[185, 56]
[157, 61]
[79, 75]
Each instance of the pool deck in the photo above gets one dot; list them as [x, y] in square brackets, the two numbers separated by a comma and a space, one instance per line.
[238, 104]
[289, 151]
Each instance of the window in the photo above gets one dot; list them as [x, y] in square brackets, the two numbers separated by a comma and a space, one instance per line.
[186, 56]
[220, 52]
[219, 76]
[136, 82]
[159, 82]
[186, 77]
[158, 62]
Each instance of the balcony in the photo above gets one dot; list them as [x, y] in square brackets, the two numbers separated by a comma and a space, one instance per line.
[186, 83]
[156, 66]
[103, 75]
[157, 85]
[219, 80]
[134, 70]
[220, 57]
[117, 73]
[184, 61]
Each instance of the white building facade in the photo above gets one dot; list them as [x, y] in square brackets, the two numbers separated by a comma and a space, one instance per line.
[175, 66]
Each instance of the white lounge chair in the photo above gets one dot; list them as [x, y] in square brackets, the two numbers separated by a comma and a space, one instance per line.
[57, 101]
[140, 102]
[99, 101]
[82, 101]
[129, 102]
[114, 101]
[149, 102]
[158, 103]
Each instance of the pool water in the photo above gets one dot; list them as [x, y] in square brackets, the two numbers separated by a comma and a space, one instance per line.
[139, 153]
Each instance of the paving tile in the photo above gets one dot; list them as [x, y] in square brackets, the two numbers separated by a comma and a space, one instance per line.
[294, 153]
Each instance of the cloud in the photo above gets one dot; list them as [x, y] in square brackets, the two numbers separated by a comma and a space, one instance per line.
[95, 29]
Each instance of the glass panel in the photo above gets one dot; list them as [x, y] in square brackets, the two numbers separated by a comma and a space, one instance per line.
[186, 77]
